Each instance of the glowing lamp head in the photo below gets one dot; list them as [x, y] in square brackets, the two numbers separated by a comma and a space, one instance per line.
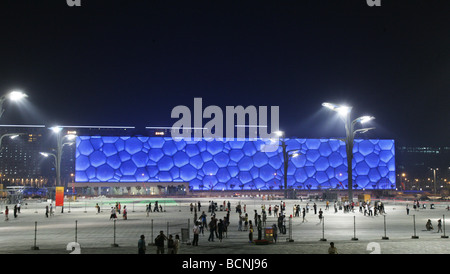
[16, 95]
[365, 119]
[56, 129]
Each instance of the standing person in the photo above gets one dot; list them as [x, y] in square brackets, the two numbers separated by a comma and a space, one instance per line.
[212, 229]
[332, 249]
[259, 226]
[51, 210]
[196, 231]
[125, 213]
[141, 245]
[176, 244]
[191, 207]
[113, 213]
[320, 215]
[315, 208]
[220, 228]
[303, 215]
[98, 208]
[46, 211]
[159, 242]
[6, 213]
[407, 209]
[15, 211]
[170, 245]
[250, 232]
[439, 225]
[275, 232]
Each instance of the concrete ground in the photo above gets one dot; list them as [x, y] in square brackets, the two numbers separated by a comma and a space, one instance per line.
[95, 232]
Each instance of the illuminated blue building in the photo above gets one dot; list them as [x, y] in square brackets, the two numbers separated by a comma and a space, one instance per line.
[233, 165]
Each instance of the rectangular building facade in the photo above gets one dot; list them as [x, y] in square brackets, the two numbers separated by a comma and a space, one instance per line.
[232, 165]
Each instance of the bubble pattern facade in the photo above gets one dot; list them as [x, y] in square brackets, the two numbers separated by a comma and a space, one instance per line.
[233, 165]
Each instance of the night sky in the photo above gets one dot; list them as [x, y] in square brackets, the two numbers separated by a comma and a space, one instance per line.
[130, 62]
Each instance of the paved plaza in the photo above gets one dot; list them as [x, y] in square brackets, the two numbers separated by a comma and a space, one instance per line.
[96, 233]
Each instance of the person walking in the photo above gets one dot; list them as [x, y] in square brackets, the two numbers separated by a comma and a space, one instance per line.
[141, 245]
[159, 242]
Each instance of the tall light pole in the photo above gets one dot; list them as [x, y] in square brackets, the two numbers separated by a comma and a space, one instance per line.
[11, 136]
[434, 178]
[60, 143]
[344, 113]
[13, 96]
[287, 154]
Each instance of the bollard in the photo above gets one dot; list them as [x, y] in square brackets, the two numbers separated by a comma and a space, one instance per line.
[151, 234]
[323, 230]
[114, 244]
[34, 247]
[414, 222]
[443, 222]
[76, 228]
[354, 229]
[385, 237]
[290, 231]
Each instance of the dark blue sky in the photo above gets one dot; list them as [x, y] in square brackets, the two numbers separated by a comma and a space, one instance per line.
[130, 62]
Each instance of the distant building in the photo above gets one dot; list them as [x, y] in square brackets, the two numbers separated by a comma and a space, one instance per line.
[416, 164]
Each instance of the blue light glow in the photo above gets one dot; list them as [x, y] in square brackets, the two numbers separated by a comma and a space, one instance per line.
[233, 165]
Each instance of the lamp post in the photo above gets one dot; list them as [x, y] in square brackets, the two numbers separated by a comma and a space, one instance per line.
[287, 154]
[11, 136]
[434, 178]
[59, 147]
[344, 113]
[13, 96]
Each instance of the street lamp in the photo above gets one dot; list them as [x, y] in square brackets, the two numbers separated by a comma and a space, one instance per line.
[434, 177]
[60, 143]
[13, 96]
[11, 136]
[344, 113]
[287, 154]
